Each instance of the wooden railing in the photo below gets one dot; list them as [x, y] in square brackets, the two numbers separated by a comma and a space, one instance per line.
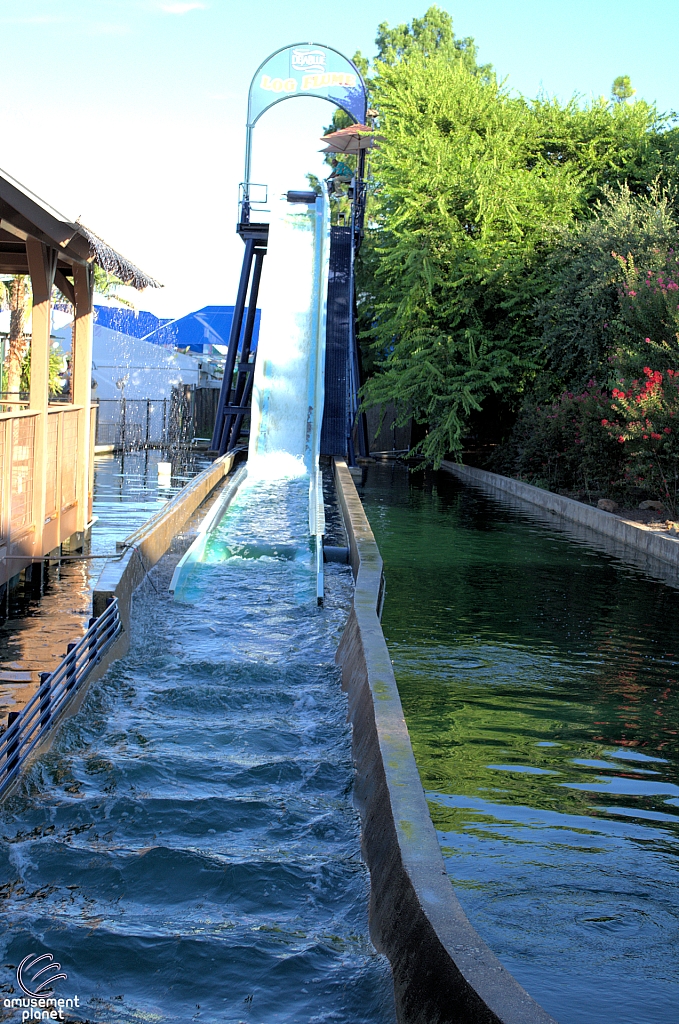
[54, 498]
[17, 448]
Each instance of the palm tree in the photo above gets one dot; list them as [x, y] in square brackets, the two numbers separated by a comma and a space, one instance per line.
[17, 294]
[19, 297]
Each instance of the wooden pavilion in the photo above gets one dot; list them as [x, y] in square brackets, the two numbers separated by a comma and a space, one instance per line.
[47, 450]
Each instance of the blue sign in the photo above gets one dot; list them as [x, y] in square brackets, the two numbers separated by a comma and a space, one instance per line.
[307, 70]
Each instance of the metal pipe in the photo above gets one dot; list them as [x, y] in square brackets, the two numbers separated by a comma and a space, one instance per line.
[244, 401]
[245, 210]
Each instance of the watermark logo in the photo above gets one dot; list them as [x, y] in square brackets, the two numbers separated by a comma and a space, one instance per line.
[308, 60]
[35, 976]
[49, 967]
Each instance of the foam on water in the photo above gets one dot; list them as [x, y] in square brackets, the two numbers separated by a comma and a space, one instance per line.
[275, 465]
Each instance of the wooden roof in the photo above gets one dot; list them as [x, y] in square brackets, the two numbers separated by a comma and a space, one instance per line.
[23, 214]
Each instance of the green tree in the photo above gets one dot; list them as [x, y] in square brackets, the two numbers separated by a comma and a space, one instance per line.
[465, 199]
[19, 299]
[622, 90]
[56, 368]
[109, 285]
[473, 190]
[431, 35]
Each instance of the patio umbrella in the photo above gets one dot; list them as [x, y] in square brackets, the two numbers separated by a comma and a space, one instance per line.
[351, 140]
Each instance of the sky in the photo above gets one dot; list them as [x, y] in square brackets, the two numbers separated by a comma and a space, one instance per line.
[130, 114]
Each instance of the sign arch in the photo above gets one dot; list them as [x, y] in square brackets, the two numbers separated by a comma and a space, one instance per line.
[303, 69]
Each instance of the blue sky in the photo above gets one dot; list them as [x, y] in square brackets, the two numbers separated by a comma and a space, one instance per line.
[130, 113]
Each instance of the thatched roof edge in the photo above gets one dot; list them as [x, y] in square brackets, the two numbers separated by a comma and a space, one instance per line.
[113, 263]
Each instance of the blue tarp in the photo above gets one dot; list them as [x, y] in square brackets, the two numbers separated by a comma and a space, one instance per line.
[207, 326]
[128, 321]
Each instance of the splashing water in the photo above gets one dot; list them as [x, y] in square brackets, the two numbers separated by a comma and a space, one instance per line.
[189, 849]
[276, 465]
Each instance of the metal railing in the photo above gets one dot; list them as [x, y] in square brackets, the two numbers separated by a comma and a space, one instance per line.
[26, 728]
[129, 423]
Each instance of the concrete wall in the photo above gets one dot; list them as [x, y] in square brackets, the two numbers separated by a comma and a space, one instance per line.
[141, 550]
[443, 971]
[146, 546]
[629, 538]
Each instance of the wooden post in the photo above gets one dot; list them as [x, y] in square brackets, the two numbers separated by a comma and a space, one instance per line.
[42, 266]
[81, 376]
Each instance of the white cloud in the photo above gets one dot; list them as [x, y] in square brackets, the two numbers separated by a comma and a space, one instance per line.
[181, 8]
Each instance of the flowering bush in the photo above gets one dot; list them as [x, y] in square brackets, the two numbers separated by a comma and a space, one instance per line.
[649, 300]
[625, 446]
[562, 445]
[644, 421]
[614, 317]
[595, 300]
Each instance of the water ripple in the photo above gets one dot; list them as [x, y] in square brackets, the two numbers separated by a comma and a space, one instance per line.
[189, 847]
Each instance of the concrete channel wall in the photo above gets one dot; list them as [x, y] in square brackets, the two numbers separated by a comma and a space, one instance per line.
[140, 552]
[635, 537]
[146, 546]
[443, 971]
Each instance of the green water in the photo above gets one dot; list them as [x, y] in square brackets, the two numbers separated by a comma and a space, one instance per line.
[539, 682]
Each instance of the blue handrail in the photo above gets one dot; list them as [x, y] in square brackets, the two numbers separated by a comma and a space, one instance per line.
[26, 728]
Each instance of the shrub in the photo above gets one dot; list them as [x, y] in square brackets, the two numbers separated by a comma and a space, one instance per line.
[649, 307]
[600, 296]
[644, 422]
[562, 445]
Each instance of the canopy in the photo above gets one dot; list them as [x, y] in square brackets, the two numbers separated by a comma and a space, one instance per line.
[350, 140]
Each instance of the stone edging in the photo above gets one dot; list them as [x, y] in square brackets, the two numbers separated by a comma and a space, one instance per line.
[443, 971]
[632, 535]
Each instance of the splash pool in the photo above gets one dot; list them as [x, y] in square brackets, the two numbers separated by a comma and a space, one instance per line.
[37, 623]
[539, 683]
[188, 848]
